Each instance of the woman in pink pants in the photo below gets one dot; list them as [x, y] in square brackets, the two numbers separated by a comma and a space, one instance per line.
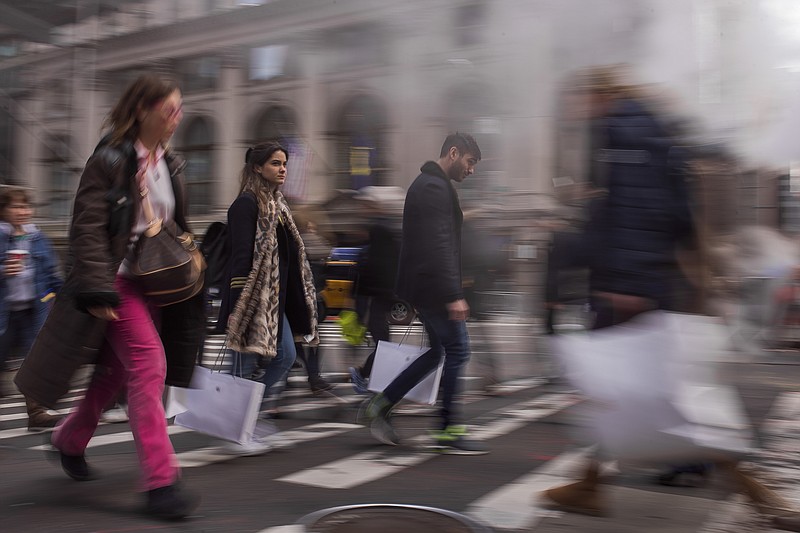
[103, 306]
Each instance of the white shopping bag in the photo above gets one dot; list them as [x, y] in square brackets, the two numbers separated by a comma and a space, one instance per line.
[653, 381]
[391, 359]
[221, 405]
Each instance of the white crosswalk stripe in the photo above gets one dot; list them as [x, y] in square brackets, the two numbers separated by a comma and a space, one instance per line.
[287, 439]
[779, 463]
[514, 505]
[368, 466]
[511, 506]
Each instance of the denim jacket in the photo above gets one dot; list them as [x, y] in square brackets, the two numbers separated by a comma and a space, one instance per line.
[46, 278]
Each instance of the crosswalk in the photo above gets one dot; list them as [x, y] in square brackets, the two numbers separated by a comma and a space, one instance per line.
[508, 507]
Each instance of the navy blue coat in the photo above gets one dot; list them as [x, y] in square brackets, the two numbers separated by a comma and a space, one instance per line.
[635, 229]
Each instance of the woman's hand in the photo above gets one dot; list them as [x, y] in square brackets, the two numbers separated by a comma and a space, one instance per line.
[103, 312]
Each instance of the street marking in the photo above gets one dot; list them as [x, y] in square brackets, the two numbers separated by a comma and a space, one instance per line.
[68, 399]
[368, 466]
[282, 439]
[115, 438]
[778, 466]
[515, 505]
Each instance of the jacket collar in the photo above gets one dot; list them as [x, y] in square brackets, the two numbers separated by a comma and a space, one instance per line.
[432, 168]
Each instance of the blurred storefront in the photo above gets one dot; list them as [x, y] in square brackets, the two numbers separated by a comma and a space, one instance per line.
[361, 92]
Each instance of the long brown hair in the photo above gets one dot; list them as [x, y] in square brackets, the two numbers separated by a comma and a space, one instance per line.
[257, 156]
[144, 92]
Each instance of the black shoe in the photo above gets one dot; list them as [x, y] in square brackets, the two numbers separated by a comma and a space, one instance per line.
[171, 502]
[318, 384]
[76, 467]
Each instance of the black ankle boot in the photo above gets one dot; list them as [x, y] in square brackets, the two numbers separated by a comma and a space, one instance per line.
[76, 467]
[171, 502]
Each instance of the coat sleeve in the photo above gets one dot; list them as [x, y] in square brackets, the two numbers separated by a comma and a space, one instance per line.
[242, 220]
[53, 280]
[441, 251]
[90, 241]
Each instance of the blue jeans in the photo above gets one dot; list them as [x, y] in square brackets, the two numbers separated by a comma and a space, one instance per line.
[244, 364]
[445, 335]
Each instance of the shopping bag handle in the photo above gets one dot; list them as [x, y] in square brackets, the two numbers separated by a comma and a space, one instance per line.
[220, 358]
[408, 330]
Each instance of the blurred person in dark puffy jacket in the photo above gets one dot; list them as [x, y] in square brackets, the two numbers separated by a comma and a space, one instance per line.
[633, 237]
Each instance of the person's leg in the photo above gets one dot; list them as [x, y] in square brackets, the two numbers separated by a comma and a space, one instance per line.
[72, 436]
[22, 329]
[244, 365]
[315, 380]
[415, 372]
[135, 341]
[25, 324]
[279, 366]
[454, 338]
[5, 347]
[378, 328]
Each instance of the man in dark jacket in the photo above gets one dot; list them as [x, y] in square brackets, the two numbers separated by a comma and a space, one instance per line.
[429, 278]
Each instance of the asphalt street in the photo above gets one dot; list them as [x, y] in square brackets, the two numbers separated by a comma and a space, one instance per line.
[324, 460]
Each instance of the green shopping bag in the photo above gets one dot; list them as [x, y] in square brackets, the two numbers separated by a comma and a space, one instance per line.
[353, 331]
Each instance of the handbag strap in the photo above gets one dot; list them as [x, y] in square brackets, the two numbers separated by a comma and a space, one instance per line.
[153, 223]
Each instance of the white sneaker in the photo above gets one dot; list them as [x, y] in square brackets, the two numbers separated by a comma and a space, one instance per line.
[114, 416]
[247, 449]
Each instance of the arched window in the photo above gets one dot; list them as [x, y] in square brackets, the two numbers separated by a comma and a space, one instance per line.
[360, 132]
[276, 123]
[279, 123]
[198, 147]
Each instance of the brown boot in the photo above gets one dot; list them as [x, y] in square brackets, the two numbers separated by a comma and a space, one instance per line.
[788, 522]
[768, 502]
[38, 419]
[583, 497]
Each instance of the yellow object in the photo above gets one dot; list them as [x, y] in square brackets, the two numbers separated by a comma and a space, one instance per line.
[353, 331]
[47, 297]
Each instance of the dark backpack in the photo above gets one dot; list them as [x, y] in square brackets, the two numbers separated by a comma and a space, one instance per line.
[217, 251]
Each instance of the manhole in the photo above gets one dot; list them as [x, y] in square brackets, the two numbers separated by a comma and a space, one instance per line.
[389, 518]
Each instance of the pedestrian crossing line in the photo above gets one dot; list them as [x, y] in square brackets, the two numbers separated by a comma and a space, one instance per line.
[115, 438]
[322, 402]
[13, 433]
[17, 405]
[24, 415]
[365, 467]
[777, 462]
[284, 439]
[515, 506]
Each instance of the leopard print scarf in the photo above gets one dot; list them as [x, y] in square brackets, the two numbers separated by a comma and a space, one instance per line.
[253, 325]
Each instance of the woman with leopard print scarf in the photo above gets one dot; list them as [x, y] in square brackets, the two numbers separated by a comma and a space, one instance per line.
[270, 297]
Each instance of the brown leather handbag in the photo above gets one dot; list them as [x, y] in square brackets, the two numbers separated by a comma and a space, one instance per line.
[167, 262]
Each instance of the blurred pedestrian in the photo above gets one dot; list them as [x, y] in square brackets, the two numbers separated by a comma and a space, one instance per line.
[429, 278]
[377, 272]
[632, 239]
[28, 282]
[317, 251]
[270, 296]
[104, 310]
